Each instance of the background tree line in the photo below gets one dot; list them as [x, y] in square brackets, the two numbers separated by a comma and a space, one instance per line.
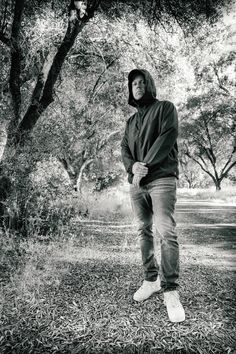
[64, 94]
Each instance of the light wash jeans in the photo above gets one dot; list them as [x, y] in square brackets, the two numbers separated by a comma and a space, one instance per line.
[156, 202]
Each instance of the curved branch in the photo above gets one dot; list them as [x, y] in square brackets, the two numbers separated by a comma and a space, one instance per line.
[202, 167]
[103, 72]
[79, 180]
[223, 175]
[104, 142]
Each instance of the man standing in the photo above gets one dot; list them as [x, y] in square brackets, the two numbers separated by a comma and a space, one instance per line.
[150, 156]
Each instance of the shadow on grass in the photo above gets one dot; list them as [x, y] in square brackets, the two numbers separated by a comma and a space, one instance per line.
[91, 310]
[212, 245]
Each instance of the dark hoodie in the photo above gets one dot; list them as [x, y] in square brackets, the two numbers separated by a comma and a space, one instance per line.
[151, 133]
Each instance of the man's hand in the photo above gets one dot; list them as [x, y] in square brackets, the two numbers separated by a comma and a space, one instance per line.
[139, 170]
[136, 180]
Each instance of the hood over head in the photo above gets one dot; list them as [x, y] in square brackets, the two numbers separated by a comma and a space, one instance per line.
[150, 93]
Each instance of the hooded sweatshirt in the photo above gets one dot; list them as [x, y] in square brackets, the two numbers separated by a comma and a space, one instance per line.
[151, 133]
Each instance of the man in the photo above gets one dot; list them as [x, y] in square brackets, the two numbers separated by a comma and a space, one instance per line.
[150, 156]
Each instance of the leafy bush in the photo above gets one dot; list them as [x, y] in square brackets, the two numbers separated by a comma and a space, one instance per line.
[48, 215]
[106, 181]
[43, 203]
[109, 204]
[12, 255]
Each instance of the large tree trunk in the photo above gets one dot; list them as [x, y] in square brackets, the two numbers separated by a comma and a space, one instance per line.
[16, 167]
[17, 163]
[218, 185]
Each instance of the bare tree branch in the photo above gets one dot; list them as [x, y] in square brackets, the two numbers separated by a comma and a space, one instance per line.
[200, 164]
[232, 156]
[224, 174]
[103, 72]
[104, 142]
[209, 151]
[203, 161]
[79, 180]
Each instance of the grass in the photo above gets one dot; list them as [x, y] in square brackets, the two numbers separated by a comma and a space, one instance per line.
[73, 294]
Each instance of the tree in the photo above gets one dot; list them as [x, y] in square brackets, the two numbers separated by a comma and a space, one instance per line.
[209, 136]
[208, 128]
[191, 175]
[19, 128]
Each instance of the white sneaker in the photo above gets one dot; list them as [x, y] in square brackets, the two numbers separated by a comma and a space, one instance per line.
[174, 307]
[147, 289]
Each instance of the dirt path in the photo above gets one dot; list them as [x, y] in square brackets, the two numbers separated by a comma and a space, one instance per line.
[210, 226]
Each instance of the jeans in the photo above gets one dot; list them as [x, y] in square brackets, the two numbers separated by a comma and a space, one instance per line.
[156, 202]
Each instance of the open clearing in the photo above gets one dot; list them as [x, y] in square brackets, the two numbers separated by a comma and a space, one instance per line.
[74, 294]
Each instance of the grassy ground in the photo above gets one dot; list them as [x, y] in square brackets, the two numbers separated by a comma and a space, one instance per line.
[74, 295]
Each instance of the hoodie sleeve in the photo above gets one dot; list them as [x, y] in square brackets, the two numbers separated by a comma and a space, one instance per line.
[127, 157]
[167, 138]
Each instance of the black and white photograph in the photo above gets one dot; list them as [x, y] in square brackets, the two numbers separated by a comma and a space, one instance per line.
[117, 177]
